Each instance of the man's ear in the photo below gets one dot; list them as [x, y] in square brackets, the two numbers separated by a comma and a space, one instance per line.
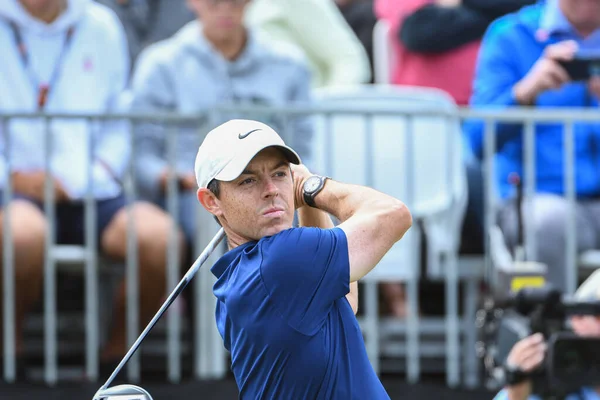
[209, 201]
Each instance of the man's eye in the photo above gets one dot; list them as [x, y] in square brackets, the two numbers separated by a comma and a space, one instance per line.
[280, 174]
[247, 181]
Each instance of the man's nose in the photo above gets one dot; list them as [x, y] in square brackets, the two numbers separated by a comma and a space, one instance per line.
[270, 189]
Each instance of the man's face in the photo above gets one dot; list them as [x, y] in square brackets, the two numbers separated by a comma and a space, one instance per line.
[260, 202]
[220, 18]
[584, 15]
[586, 325]
[41, 5]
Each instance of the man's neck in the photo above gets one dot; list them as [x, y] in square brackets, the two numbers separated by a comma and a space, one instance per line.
[232, 47]
[49, 13]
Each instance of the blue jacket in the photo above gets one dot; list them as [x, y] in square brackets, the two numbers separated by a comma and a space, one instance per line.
[509, 49]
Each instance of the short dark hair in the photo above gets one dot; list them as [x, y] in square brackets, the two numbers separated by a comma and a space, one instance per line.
[215, 187]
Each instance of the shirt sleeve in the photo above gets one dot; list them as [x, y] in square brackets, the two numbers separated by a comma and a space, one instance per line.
[304, 271]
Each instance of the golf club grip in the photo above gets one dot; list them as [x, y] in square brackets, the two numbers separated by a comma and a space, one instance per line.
[178, 289]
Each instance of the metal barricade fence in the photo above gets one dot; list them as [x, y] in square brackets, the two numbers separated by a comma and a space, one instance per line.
[209, 355]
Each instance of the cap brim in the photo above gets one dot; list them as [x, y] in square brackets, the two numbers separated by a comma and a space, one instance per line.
[238, 164]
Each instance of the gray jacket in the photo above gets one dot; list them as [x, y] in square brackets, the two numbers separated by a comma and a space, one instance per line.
[185, 74]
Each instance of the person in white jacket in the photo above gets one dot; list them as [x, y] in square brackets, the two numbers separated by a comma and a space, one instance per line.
[70, 56]
[316, 30]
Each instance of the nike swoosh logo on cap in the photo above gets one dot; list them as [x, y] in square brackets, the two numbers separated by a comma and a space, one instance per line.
[246, 134]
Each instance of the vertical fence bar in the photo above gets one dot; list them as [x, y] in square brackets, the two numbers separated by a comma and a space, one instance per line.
[50, 329]
[201, 342]
[571, 269]
[210, 354]
[91, 268]
[412, 290]
[173, 315]
[132, 269]
[198, 312]
[8, 281]
[530, 187]
[371, 287]
[467, 328]
[490, 198]
[452, 326]
[328, 144]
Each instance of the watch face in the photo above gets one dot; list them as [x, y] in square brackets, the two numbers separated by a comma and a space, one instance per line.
[312, 184]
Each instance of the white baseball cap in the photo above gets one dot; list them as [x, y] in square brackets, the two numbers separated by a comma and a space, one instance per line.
[589, 290]
[229, 148]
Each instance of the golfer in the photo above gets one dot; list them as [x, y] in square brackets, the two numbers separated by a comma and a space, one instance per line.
[285, 307]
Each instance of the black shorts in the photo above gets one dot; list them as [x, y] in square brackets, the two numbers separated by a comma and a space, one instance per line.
[70, 217]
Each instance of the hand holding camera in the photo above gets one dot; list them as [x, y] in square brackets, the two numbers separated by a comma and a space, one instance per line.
[547, 73]
[525, 356]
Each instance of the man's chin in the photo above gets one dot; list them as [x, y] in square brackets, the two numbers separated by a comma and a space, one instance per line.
[275, 229]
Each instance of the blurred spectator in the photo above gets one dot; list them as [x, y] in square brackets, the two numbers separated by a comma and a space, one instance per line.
[148, 21]
[70, 56]
[360, 15]
[435, 40]
[216, 62]
[316, 30]
[519, 64]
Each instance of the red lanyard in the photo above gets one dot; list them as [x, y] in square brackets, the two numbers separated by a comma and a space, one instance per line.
[43, 90]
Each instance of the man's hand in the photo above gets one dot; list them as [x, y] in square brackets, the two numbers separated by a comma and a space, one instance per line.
[546, 73]
[300, 174]
[527, 354]
[188, 182]
[31, 184]
[184, 182]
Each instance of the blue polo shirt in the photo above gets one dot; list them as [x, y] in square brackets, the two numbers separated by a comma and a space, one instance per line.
[283, 315]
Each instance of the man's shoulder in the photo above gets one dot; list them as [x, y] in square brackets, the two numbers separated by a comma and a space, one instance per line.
[101, 18]
[295, 245]
[293, 235]
[159, 54]
[525, 21]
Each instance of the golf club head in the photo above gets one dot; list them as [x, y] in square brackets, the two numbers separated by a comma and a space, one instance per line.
[123, 392]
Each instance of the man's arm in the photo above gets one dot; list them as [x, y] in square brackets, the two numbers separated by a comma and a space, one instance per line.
[371, 220]
[309, 216]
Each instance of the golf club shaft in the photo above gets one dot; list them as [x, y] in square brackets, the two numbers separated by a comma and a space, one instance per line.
[178, 289]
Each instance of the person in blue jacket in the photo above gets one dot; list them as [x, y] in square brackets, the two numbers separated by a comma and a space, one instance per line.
[520, 65]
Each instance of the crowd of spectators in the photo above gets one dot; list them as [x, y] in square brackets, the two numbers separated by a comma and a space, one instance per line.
[187, 56]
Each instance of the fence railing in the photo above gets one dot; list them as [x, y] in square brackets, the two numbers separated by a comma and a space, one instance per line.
[383, 150]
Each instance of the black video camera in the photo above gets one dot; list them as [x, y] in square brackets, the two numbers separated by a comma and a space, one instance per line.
[571, 361]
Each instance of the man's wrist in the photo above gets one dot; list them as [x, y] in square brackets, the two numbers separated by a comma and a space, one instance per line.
[311, 187]
[523, 93]
[519, 392]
